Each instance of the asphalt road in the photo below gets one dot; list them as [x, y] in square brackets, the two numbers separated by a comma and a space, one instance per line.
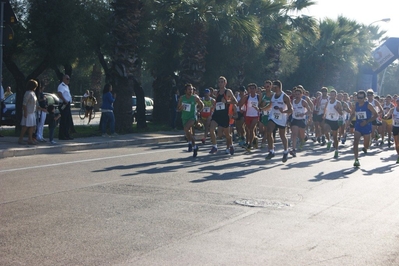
[156, 205]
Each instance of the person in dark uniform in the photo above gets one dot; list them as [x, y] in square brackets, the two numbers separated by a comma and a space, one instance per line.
[65, 109]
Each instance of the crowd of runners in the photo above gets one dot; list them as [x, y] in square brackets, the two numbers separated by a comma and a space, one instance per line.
[255, 114]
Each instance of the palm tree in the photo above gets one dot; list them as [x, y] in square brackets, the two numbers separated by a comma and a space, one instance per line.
[126, 63]
[333, 58]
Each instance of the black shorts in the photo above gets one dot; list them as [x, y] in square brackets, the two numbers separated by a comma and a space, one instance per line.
[221, 118]
[333, 124]
[352, 124]
[317, 118]
[376, 123]
[395, 131]
[298, 122]
[89, 108]
[276, 126]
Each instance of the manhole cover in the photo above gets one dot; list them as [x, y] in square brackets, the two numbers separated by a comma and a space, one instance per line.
[261, 203]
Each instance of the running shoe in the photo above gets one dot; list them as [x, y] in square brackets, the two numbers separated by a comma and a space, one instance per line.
[364, 150]
[241, 143]
[397, 161]
[285, 157]
[356, 163]
[293, 153]
[389, 144]
[227, 151]
[53, 142]
[381, 142]
[343, 140]
[318, 140]
[190, 147]
[195, 151]
[335, 154]
[314, 139]
[270, 155]
[255, 143]
[213, 150]
[203, 141]
[329, 145]
[231, 150]
[248, 147]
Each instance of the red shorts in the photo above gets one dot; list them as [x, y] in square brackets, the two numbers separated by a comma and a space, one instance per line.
[249, 119]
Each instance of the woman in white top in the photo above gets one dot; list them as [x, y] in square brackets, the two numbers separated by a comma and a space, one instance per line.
[29, 106]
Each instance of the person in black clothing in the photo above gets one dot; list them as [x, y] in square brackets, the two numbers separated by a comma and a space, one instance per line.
[66, 123]
[173, 108]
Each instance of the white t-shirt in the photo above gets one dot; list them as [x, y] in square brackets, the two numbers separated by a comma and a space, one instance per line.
[64, 90]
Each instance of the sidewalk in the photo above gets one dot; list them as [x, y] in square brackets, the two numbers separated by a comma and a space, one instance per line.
[9, 146]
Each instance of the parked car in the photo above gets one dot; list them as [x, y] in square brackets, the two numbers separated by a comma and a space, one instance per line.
[9, 118]
[77, 101]
[149, 107]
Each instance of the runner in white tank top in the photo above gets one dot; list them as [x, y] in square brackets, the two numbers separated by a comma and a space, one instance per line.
[331, 115]
[280, 107]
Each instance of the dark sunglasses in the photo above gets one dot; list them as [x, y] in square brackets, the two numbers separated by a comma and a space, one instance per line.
[360, 98]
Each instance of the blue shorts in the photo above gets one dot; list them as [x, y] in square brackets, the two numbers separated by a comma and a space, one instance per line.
[366, 130]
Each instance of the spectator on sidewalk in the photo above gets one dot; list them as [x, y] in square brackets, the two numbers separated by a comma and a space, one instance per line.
[2, 104]
[107, 111]
[66, 123]
[173, 109]
[8, 92]
[29, 106]
[53, 121]
[41, 113]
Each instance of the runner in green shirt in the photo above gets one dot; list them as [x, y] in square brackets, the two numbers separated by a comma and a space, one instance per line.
[189, 105]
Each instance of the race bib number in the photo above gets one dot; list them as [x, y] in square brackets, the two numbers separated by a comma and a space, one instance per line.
[254, 104]
[89, 103]
[331, 116]
[220, 106]
[396, 122]
[277, 116]
[361, 115]
[264, 112]
[206, 110]
[299, 114]
[186, 107]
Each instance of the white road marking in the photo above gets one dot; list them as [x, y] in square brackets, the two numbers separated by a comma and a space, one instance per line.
[82, 161]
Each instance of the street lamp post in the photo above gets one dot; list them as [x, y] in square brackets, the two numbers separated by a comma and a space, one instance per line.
[381, 20]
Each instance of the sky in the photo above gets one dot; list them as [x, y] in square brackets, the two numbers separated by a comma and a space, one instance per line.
[362, 11]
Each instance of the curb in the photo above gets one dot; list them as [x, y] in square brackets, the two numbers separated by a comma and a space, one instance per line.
[67, 147]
